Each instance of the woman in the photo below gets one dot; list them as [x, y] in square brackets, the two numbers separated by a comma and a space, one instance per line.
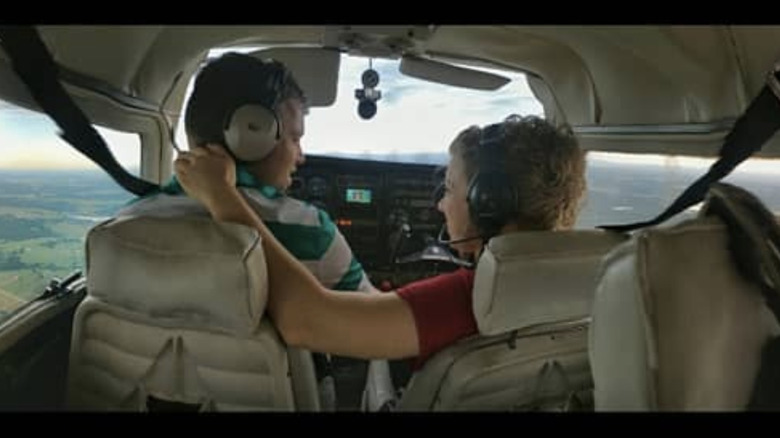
[520, 174]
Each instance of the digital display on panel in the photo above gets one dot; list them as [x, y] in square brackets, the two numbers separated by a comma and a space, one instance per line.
[359, 196]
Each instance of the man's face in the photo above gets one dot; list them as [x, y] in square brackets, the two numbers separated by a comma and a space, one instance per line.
[455, 207]
[277, 168]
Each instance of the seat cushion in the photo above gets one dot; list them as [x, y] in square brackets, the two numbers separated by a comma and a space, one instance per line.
[120, 358]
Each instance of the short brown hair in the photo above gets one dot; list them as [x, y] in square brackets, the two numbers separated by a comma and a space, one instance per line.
[232, 80]
[545, 164]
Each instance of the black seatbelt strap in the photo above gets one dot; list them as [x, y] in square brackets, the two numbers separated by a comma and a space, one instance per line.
[33, 63]
[759, 122]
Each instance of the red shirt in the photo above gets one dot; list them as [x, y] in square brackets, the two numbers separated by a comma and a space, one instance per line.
[442, 310]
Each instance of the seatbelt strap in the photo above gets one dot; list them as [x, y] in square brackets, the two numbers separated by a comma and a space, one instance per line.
[758, 123]
[33, 63]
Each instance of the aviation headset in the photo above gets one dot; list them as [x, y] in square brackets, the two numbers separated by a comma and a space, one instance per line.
[491, 195]
[252, 129]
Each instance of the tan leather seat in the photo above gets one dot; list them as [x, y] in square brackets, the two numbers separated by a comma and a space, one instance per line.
[174, 314]
[675, 326]
[532, 301]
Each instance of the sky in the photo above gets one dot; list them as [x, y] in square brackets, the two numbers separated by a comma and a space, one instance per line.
[413, 116]
[31, 140]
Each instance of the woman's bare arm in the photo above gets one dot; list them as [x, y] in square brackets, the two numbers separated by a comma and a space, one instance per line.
[376, 325]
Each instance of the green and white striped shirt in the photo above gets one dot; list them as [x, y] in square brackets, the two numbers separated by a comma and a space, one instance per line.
[305, 230]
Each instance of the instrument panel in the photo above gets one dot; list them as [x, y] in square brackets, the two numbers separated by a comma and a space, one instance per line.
[383, 209]
[386, 211]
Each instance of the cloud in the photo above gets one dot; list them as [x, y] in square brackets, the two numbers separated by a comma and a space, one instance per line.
[395, 95]
[413, 116]
[398, 89]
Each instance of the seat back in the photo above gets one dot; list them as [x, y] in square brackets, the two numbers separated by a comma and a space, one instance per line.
[532, 301]
[675, 326]
[174, 320]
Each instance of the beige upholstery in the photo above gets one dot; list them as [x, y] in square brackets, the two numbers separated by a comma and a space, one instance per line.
[175, 312]
[192, 270]
[675, 327]
[532, 302]
[526, 279]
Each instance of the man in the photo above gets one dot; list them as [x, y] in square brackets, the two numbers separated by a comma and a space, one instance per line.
[223, 88]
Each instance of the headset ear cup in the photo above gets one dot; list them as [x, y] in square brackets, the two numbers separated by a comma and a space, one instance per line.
[251, 132]
[472, 197]
[492, 201]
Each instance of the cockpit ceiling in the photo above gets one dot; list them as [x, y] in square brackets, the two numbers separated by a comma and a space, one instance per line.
[594, 77]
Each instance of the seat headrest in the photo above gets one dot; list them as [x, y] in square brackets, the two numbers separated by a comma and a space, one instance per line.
[187, 272]
[530, 278]
[676, 326]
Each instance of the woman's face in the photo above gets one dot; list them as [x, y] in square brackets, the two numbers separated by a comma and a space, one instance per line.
[455, 207]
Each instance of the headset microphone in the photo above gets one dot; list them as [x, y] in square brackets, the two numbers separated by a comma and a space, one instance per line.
[440, 239]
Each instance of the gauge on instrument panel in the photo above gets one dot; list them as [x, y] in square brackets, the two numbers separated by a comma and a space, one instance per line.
[398, 216]
[317, 187]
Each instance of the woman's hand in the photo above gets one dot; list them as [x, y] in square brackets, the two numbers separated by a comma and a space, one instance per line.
[206, 173]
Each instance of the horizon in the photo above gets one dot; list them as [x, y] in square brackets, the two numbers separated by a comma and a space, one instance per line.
[751, 165]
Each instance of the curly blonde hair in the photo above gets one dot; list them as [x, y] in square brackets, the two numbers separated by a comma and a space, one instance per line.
[545, 164]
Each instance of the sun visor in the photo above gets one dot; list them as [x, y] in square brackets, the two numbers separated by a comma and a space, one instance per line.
[449, 74]
[315, 69]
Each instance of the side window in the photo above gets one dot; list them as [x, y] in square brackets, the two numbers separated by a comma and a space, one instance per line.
[50, 195]
[625, 188]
